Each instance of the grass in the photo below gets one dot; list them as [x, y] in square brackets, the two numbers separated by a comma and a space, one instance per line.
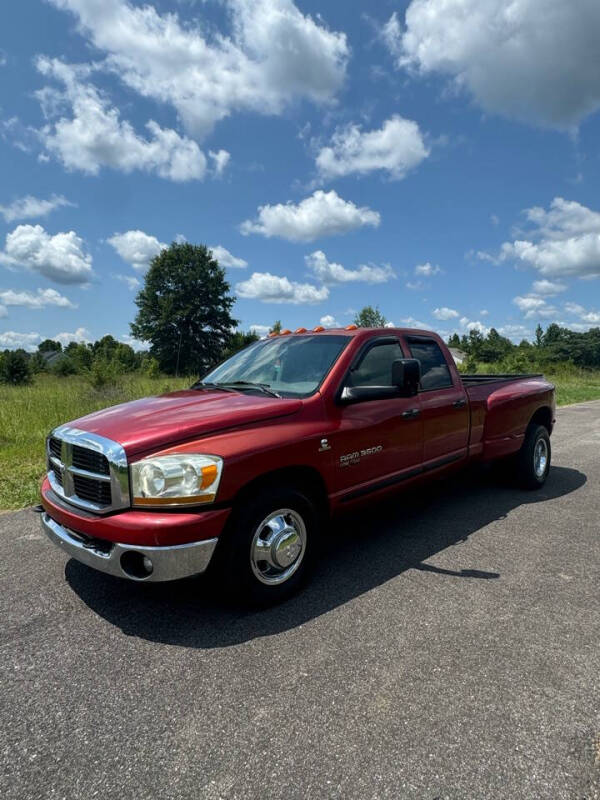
[27, 413]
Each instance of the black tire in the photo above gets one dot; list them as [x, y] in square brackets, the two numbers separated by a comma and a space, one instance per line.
[253, 582]
[529, 472]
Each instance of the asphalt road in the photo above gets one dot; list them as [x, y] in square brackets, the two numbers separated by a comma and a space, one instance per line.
[447, 647]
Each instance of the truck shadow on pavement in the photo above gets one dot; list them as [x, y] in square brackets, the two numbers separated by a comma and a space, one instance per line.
[362, 552]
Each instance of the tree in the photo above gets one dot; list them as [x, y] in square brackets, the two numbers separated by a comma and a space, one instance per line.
[238, 341]
[454, 341]
[494, 347]
[49, 346]
[184, 309]
[369, 317]
[14, 367]
[276, 327]
[539, 335]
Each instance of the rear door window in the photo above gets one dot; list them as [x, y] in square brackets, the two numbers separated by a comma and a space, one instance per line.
[435, 373]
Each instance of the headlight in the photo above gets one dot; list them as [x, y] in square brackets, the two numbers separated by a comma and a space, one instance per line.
[183, 479]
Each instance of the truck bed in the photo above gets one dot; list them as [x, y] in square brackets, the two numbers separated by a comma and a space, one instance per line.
[478, 380]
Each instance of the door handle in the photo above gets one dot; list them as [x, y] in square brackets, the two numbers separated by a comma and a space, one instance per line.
[460, 403]
[411, 413]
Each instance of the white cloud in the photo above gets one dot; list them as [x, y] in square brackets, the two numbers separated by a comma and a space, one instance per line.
[260, 330]
[275, 289]
[130, 281]
[548, 288]
[29, 207]
[220, 160]
[95, 136]
[321, 214]
[467, 325]
[80, 335]
[60, 258]
[505, 54]
[427, 270]
[415, 286]
[12, 340]
[273, 56]
[484, 312]
[411, 322]
[591, 317]
[328, 321]
[445, 313]
[137, 344]
[226, 259]
[41, 299]
[396, 147]
[534, 307]
[136, 247]
[330, 273]
[515, 332]
[563, 241]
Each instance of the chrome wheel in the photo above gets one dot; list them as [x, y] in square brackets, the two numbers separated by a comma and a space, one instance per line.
[278, 546]
[540, 457]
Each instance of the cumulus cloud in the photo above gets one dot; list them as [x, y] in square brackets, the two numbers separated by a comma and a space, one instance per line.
[226, 259]
[534, 307]
[321, 214]
[505, 54]
[427, 270]
[468, 325]
[563, 241]
[396, 147]
[41, 299]
[94, 136]
[329, 321]
[275, 289]
[548, 288]
[137, 248]
[330, 273]
[220, 160]
[80, 335]
[584, 314]
[12, 340]
[260, 330]
[445, 313]
[60, 258]
[271, 56]
[30, 207]
[130, 281]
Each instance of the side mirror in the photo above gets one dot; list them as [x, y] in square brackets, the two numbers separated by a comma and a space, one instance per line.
[406, 375]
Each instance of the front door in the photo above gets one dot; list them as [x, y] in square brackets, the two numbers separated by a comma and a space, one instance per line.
[378, 441]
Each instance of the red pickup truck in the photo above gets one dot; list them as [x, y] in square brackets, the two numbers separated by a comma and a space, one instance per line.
[242, 470]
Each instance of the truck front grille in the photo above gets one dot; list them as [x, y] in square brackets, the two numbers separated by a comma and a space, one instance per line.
[87, 470]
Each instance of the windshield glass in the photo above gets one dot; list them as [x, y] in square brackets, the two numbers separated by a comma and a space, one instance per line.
[293, 366]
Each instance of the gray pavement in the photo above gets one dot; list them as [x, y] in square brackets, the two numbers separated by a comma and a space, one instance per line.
[448, 646]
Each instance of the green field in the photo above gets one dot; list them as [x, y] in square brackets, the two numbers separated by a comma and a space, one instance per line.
[27, 413]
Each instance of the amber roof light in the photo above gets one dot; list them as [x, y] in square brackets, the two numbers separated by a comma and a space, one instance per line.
[351, 328]
[300, 330]
[318, 329]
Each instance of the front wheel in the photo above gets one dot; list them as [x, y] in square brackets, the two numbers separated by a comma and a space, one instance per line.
[270, 546]
[533, 459]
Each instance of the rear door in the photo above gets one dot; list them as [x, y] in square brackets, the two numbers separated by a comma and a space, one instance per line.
[443, 402]
[377, 440]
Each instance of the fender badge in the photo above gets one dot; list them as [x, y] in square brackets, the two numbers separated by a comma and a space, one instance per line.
[324, 446]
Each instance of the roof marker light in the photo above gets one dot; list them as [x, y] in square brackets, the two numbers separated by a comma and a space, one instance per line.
[300, 330]
[318, 329]
[285, 332]
[351, 327]
[273, 333]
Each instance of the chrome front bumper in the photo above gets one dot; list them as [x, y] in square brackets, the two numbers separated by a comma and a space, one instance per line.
[131, 561]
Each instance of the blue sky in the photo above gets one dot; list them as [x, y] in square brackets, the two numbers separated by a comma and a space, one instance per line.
[437, 158]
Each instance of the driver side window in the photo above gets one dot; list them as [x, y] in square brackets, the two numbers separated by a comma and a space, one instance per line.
[375, 369]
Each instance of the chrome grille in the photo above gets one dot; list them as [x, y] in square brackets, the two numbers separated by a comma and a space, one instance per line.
[87, 470]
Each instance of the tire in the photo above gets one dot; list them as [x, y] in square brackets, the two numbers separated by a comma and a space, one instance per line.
[533, 459]
[282, 525]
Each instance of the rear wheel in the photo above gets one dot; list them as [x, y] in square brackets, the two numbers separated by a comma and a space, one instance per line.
[533, 459]
[270, 546]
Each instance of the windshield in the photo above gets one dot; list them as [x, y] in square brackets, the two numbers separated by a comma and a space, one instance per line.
[292, 366]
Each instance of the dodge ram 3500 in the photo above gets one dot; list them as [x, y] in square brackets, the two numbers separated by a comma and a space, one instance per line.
[244, 468]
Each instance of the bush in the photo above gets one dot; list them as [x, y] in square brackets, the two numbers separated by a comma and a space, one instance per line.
[14, 368]
[151, 367]
[63, 367]
[103, 373]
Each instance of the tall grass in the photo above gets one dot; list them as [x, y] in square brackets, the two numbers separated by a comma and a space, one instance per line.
[27, 413]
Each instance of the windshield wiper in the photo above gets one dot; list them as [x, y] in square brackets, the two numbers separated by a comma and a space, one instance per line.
[209, 385]
[263, 387]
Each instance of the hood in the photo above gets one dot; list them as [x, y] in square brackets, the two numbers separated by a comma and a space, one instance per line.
[156, 422]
